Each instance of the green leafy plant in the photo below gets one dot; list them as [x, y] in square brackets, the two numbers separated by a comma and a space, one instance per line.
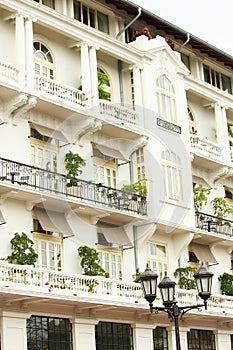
[230, 129]
[90, 261]
[221, 209]
[137, 275]
[138, 188]
[185, 277]
[200, 197]
[103, 80]
[73, 163]
[226, 283]
[23, 252]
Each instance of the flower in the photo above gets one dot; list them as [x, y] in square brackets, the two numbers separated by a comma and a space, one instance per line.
[46, 283]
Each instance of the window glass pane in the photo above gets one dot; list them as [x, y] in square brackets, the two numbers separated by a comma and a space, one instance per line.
[160, 250]
[226, 84]
[77, 10]
[207, 74]
[102, 22]
[114, 336]
[85, 14]
[92, 18]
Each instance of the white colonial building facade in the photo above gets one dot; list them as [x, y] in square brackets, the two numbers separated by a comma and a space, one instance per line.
[140, 101]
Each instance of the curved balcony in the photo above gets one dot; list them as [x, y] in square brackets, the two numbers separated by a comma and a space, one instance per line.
[41, 282]
[48, 182]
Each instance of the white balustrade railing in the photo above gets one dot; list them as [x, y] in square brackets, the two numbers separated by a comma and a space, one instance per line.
[42, 280]
[60, 91]
[206, 147]
[9, 73]
[117, 112]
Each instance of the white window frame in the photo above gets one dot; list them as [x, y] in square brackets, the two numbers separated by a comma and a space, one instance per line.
[166, 99]
[43, 61]
[172, 171]
[111, 260]
[157, 261]
[48, 239]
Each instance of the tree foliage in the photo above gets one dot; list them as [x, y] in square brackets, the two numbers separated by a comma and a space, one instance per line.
[186, 279]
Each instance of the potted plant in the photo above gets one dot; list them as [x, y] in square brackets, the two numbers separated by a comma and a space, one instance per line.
[185, 277]
[200, 197]
[138, 189]
[73, 163]
[221, 211]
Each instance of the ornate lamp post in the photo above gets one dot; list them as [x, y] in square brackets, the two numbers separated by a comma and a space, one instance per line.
[167, 289]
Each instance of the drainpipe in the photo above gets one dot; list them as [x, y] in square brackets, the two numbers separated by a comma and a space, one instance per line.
[186, 42]
[119, 61]
[129, 24]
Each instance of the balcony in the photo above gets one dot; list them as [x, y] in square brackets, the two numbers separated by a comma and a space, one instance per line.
[205, 148]
[32, 281]
[53, 91]
[51, 183]
[210, 223]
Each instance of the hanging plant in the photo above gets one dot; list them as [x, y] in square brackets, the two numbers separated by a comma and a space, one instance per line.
[73, 163]
[23, 252]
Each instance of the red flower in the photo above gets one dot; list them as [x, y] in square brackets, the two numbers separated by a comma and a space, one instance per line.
[46, 283]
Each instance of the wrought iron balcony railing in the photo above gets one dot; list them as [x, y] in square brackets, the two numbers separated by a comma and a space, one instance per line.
[211, 223]
[50, 182]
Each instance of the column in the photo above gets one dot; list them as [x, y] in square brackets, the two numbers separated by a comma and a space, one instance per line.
[85, 68]
[83, 334]
[222, 340]
[172, 337]
[221, 129]
[138, 99]
[20, 46]
[13, 330]
[94, 76]
[143, 336]
[29, 52]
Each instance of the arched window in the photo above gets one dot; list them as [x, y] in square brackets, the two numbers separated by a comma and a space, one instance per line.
[104, 85]
[171, 165]
[166, 99]
[44, 65]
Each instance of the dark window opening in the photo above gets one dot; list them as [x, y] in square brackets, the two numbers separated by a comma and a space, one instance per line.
[160, 338]
[114, 336]
[201, 340]
[49, 333]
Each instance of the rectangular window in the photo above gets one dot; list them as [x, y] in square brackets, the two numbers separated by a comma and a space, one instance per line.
[49, 3]
[185, 59]
[157, 258]
[114, 336]
[201, 339]
[219, 80]
[160, 338]
[48, 246]
[91, 17]
[111, 261]
[49, 333]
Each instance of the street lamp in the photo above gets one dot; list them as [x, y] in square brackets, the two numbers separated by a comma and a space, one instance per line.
[149, 279]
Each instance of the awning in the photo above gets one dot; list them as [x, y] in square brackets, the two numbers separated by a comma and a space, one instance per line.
[202, 252]
[53, 221]
[115, 235]
[200, 181]
[50, 132]
[2, 219]
[111, 152]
